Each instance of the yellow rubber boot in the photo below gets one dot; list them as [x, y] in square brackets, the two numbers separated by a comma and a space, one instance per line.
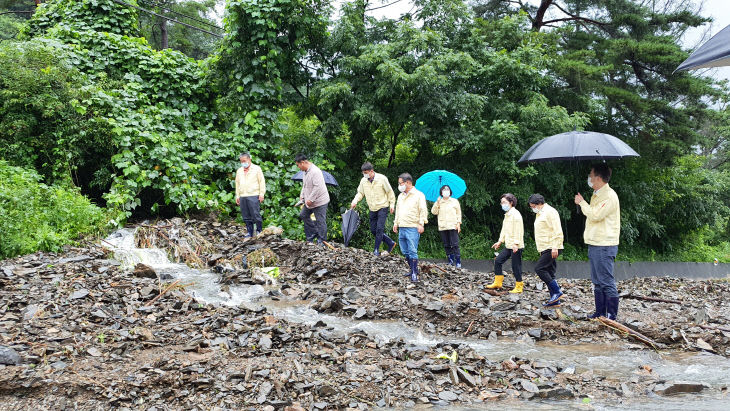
[497, 282]
[518, 287]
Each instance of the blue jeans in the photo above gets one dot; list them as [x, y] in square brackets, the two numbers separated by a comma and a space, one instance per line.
[377, 227]
[408, 241]
[601, 259]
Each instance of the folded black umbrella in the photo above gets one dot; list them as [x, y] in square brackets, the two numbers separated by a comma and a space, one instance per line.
[328, 179]
[350, 222]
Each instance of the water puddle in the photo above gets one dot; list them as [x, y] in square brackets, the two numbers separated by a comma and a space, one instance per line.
[609, 360]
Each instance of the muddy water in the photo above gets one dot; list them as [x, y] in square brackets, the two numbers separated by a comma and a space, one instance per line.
[608, 360]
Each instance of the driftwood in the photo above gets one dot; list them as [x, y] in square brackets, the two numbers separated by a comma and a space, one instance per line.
[627, 331]
[169, 287]
[712, 327]
[495, 293]
[329, 245]
[652, 299]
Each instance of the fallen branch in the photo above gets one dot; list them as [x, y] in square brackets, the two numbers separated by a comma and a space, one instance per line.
[469, 328]
[169, 287]
[329, 245]
[627, 331]
[652, 299]
[711, 327]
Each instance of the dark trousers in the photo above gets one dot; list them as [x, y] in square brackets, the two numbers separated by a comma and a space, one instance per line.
[602, 259]
[450, 238]
[251, 213]
[377, 227]
[547, 266]
[315, 229]
[516, 262]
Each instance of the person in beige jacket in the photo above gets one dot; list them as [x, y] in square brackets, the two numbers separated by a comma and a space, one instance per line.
[379, 195]
[512, 236]
[411, 214]
[250, 191]
[448, 211]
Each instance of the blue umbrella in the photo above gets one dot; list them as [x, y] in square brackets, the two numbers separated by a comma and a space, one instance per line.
[430, 184]
[328, 179]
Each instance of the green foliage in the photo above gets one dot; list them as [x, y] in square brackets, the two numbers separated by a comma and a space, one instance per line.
[84, 15]
[35, 216]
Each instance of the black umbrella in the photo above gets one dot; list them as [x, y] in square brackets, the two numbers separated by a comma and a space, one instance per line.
[714, 53]
[350, 222]
[577, 146]
[328, 179]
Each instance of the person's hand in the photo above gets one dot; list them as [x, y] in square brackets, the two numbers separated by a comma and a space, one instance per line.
[392, 210]
[578, 198]
[496, 245]
[238, 201]
[515, 248]
[309, 203]
[458, 228]
[353, 205]
[420, 229]
[554, 253]
[261, 199]
[395, 229]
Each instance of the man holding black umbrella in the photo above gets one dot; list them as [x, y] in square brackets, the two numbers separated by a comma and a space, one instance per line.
[603, 227]
[380, 198]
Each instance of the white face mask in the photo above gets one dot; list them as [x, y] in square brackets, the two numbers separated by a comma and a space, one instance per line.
[245, 165]
[446, 194]
[534, 209]
[401, 187]
[366, 176]
[590, 182]
[505, 207]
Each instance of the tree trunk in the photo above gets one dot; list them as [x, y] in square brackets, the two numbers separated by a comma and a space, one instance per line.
[163, 34]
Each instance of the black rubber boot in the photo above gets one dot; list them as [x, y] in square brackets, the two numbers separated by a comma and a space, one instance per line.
[612, 308]
[414, 272]
[600, 300]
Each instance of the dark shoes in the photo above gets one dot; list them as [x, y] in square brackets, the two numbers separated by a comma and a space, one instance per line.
[555, 294]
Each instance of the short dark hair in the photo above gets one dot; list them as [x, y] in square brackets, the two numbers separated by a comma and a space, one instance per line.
[445, 186]
[300, 157]
[245, 154]
[509, 197]
[602, 170]
[367, 166]
[406, 177]
[536, 199]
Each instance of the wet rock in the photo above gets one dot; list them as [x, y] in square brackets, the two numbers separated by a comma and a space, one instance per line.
[265, 342]
[556, 394]
[466, 377]
[144, 271]
[535, 333]
[529, 386]
[353, 293]
[703, 345]
[94, 352]
[360, 313]
[503, 306]
[9, 356]
[434, 306]
[79, 294]
[671, 388]
[448, 396]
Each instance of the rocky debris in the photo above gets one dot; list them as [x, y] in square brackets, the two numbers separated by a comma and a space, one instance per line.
[98, 335]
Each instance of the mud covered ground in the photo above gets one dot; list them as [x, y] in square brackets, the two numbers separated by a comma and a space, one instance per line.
[78, 330]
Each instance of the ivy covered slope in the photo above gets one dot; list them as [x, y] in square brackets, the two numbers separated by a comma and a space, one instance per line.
[142, 125]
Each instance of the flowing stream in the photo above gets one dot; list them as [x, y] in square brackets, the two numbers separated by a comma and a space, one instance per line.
[610, 360]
